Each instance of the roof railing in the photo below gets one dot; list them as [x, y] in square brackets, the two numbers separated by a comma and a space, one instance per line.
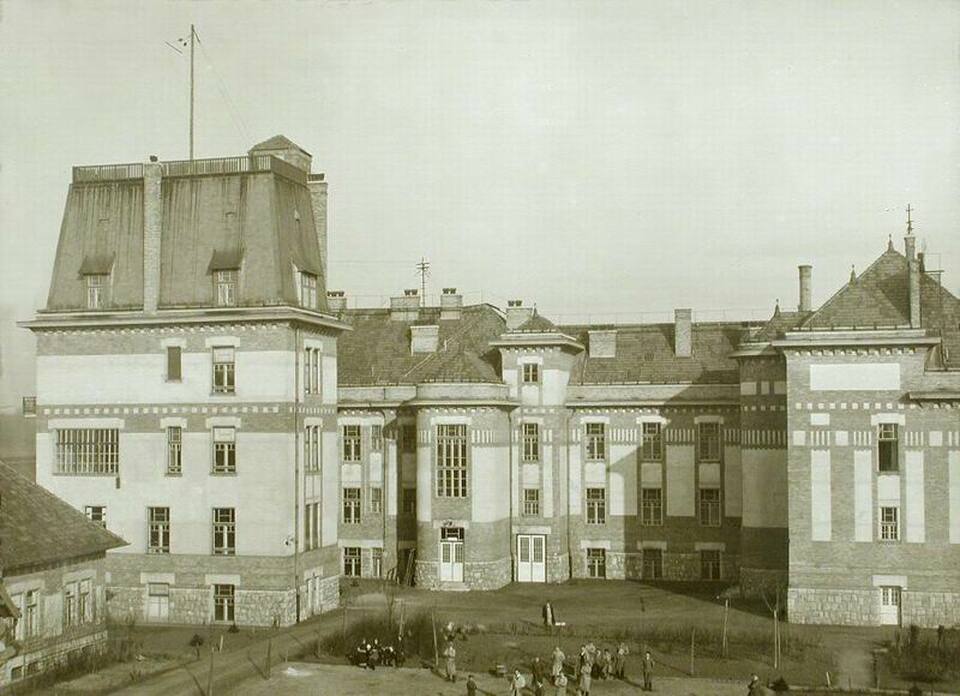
[198, 167]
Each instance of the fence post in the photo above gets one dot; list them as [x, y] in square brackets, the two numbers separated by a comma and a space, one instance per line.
[693, 633]
[723, 642]
[436, 652]
[210, 676]
[269, 657]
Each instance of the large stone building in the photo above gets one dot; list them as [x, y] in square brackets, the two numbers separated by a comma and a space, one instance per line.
[255, 438]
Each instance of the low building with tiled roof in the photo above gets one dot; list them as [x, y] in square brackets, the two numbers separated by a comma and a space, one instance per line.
[52, 579]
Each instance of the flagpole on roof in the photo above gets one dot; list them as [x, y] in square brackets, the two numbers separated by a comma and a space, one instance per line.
[193, 34]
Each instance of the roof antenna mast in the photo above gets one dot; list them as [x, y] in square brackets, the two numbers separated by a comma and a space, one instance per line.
[183, 43]
[909, 219]
[423, 268]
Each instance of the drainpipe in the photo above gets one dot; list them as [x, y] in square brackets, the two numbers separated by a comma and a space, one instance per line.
[566, 503]
[296, 469]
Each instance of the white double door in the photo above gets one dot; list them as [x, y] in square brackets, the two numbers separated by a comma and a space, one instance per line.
[890, 606]
[531, 558]
[451, 561]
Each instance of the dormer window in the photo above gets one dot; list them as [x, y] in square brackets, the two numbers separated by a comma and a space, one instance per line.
[225, 287]
[96, 290]
[531, 373]
[308, 290]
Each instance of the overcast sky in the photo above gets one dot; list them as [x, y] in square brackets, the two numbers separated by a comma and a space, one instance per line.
[602, 158]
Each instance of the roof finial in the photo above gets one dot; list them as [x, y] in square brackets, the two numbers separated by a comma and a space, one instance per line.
[776, 309]
[853, 273]
[889, 242]
[909, 219]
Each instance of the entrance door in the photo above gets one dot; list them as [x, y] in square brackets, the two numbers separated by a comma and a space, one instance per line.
[890, 606]
[451, 554]
[531, 558]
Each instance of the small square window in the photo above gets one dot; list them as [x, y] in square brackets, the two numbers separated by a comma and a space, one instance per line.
[225, 283]
[97, 513]
[96, 290]
[531, 373]
[531, 502]
[889, 523]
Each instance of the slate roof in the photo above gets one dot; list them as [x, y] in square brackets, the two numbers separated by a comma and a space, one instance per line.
[880, 297]
[645, 353]
[277, 142]
[36, 527]
[377, 351]
[537, 324]
[779, 323]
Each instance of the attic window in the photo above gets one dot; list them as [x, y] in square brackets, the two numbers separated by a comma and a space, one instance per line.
[225, 285]
[96, 290]
[308, 290]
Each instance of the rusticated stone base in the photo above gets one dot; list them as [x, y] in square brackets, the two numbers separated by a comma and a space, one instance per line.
[477, 575]
[862, 607]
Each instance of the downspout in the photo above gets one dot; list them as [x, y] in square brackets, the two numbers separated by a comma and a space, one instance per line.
[513, 561]
[566, 503]
[296, 469]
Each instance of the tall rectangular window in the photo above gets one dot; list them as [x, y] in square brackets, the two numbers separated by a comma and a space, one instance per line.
[531, 373]
[96, 290]
[376, 499]
[224, 531]
[69, 604]
[225, 284]
[889, 523]
[709, 507]
[652, 564]
[351, 561]
[311, 449]
[224, 370]
[709, 564]
[158, 601]
[90, 451]
[376, 561]
[224, 450]
[84, 602]
[652, 447]
[351, 506]
[350, 434]
[596, 563]
[311, 370]
[308, 290]
[174, 450]
[223, 603]
[708, 442]
[311, 514]
[158, 530]
[174, 363]
[376, 437]
[596, 506]
[452, 461]
[887, 447]
[651, 507]
[97, 513]
[531, 502]
[531, 442]
[31, 614]
[596, 442]
[409, 502]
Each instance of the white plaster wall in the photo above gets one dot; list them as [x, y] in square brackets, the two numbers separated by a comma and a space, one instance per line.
[547, 502]
[330, 498]
[863, 495]
[953, 464]
[425, 485]
[855, 377]
[915, 527]
[139, 378]
[681, 493]
[488, 500]
[328, 376]
[576, 488]
[623, 480]
[392, 484]
[554, 386]
[651, 474]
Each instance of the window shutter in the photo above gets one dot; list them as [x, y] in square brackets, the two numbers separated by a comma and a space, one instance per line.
[173, 362]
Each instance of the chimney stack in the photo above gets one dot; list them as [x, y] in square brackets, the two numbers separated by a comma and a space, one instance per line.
[405, 307]
[317, 186]
[517, 314]
[336, 301]
[152, 223]
[451, 304]
[913, 276]
[683, 332]
[806, 279]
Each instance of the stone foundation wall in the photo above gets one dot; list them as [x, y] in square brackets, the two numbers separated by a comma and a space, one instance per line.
[840, 607]
[477, 575]
[558, 567]
[931, 609]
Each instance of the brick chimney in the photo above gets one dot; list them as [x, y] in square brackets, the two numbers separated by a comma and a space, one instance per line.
[451, 304]
[517, 314]
[913, 277]
[405, 307]
[683, 332]
[336, 301]
[318, 202]
[152, 224]
[806, 289]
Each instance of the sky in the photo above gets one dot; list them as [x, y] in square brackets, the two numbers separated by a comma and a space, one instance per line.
[603, 160]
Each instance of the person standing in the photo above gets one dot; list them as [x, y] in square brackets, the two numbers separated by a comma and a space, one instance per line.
[517, 682]
[471, 686]
[548, 614]
[647, 666]
[558, 660]
[450, 653]
[621, 664]
[537, 676]
[373, 655]
[560, 681]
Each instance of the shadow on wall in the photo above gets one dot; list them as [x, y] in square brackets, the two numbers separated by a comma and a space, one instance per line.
[18, 443]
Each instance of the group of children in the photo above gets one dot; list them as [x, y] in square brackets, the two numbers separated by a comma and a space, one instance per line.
[371, 655]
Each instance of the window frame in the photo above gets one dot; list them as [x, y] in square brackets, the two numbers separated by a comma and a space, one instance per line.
[888, 441]
[87, 451]
[709, 510]
[224, 371]
[351, 444]
[711, 559]
[531, 502]
[706, 452]
[350, 508]
[888, 530]
[96, 514]
[352, 562]
[651, 443]
[530, 441]
[596, 505]
[651, 559]
[530, 373]
[408, 501]
[224, 603]
[311, 449]
[595, 443]
[596, 563]
[651, 511]
[376, 561]
[308, 289]
[226, 282]
[312, 383]
[224, 450]
[158, 525]
[376, 438]
[174, 450]
[174, 364]
[376, 500]
[452, 456]
[96, 286]
[224, 532]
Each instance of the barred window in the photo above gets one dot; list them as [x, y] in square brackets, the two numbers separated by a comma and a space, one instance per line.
[531, 442]
[652, 448]
[174, 449]
[709, 564]
[531, 373]
[96, 290]
[376, 437]
[351, 506]
[531, 502]
[224, 450]
[887, 441]
[708, 442]
[596, 563]
[224, 372]
[596, 442]
[90, 451]
[225, 283]
[97, 513]
[651, 507]
[224, 531]
[452, 461]
[652, 564]
[351, 443]
[311, 370]
[351, 561]
[709, 507]
[596, 506]
[223, 603]
[376, 499]
[308, 290]
[311, 449]
[889, 524]
[158, 530]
